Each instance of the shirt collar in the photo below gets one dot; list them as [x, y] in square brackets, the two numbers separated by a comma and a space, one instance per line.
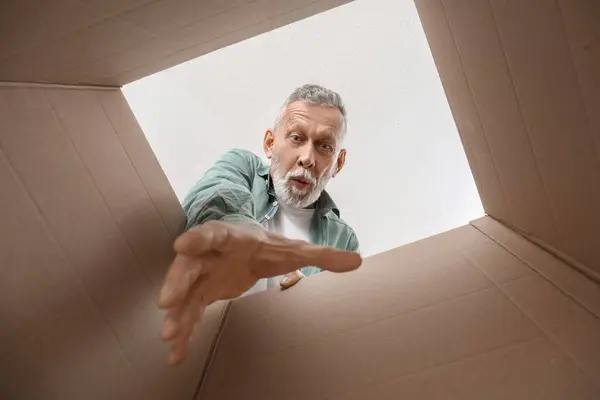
[324, 204]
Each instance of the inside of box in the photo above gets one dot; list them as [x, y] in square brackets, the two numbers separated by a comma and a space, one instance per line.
[463, 314]
[88, 219]
[115, 42]
[522, 82]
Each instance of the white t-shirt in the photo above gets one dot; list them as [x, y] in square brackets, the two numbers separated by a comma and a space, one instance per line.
[293, 223]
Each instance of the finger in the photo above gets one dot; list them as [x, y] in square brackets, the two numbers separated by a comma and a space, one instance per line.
[178, 352]
[291, 279]
[304, 254]
[180, 346]
[202, 239]
[182, 274]
[328, 258]
[170, 328]
[177, 315]
[185, 320]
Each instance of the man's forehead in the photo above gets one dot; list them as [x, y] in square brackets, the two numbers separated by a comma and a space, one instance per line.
[306, 126]
[303, 113]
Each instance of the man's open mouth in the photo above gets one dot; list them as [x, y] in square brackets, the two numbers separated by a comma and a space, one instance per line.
[300, 182]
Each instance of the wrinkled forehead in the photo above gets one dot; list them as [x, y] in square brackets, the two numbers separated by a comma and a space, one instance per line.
[307, 116]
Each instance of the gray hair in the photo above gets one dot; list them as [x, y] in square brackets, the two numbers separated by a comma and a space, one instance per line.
[318, 95]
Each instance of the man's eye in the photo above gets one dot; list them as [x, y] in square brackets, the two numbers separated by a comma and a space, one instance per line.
[327, 147]
[295, 138]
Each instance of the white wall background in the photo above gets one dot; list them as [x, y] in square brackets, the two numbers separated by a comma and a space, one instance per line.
[406, 175]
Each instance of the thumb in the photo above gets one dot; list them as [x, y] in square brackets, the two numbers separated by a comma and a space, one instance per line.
[329, 258]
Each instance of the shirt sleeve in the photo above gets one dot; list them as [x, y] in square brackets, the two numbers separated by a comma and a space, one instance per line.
[224, 192]
[353, 244]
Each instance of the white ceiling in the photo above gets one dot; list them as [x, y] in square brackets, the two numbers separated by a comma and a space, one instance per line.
[406, 175]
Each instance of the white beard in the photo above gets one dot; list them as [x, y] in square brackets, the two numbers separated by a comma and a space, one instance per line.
[293, 196]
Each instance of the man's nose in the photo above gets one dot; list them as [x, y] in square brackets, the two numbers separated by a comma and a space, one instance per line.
[307, 157]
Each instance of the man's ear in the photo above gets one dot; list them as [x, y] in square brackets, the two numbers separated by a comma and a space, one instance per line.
[268, 143]
[341, 160]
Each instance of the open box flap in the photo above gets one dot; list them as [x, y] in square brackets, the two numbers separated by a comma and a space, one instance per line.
[115, 42]
[454, 316]
[523, 82]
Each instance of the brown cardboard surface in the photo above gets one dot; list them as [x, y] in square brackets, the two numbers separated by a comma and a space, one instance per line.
[522, 80]
[572, 282]
[561, 300]
[434, 319]
[582, 30]
[143, 160]
[83, 250]
[88, 218]
[526, 370]
[461, 103]
[114, 42]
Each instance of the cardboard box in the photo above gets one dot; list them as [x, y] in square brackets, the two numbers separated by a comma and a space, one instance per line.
[506, 307]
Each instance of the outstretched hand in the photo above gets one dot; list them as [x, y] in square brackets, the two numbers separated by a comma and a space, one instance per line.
[219, 260]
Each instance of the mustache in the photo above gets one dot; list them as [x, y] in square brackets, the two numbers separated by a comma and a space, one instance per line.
[302, 174]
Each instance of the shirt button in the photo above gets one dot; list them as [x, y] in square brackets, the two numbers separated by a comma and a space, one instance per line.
[274, 204]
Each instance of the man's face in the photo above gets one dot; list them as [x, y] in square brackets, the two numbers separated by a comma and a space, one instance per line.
[305, 149]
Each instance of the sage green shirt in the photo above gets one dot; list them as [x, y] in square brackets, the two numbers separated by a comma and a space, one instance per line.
[238, 189]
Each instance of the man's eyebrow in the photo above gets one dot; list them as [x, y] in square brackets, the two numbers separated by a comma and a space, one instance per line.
[327, 133]
[294, 124]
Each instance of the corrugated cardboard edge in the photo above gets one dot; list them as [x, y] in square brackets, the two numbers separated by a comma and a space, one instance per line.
[212, 351]
[585, 270]
[56, 86]
[554, 266]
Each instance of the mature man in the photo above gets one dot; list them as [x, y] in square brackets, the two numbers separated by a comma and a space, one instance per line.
[248, 220]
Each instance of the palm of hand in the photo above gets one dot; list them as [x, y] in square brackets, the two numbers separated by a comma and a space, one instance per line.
[218, 260]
